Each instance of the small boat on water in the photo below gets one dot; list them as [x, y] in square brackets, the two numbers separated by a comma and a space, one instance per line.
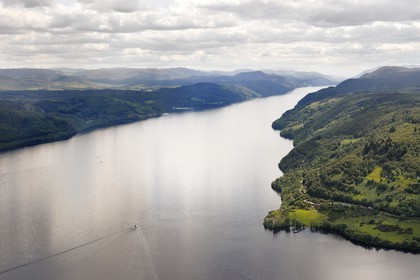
[295, 229]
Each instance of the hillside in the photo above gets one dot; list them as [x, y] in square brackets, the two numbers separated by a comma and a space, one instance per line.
[47, 105]
[355, 166]
[141, 78]
[33, 117]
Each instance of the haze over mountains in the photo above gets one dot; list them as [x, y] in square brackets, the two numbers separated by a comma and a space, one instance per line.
[140, 78]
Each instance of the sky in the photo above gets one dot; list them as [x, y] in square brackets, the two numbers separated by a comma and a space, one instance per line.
[335, 37]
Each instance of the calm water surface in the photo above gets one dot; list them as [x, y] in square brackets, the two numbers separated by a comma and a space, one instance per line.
[198, 185]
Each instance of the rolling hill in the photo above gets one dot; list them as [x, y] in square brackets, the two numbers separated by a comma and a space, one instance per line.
[141, 78]
[48, 105]
[355, 165]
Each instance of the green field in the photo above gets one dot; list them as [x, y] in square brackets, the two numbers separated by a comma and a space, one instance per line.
[306, 216]
[375, 175]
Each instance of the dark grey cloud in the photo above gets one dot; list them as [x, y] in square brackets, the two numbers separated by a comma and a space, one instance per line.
[28, 3]
[363, 12]
[321, 13]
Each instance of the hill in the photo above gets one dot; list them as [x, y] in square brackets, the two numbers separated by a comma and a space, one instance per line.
[33, 117]
[140, 78]
[48, 105]
[355, 166]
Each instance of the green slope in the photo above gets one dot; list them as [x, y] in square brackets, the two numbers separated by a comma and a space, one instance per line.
[356, 159]
[33, 117]
[141, 78]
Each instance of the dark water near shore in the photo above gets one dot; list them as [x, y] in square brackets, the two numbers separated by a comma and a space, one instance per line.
[198, 185]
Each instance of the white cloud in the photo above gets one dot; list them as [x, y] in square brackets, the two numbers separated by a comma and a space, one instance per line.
[301, 34]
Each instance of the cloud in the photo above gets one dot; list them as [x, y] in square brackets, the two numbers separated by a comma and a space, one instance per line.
[351, 13]
[126, 6]
[217, 34]
[325, 13]
[28, 3]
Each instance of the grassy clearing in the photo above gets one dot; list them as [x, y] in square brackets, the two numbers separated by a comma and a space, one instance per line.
[403, 182]
[366, 192]
[337, 177]
[317, 104]
[406, 132]
[375, 175]
[296, 127]
[395, 190]
[306, 217]
[285, 218]
[349, 141]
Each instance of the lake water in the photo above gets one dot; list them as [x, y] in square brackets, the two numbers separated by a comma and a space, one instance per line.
[198, 186]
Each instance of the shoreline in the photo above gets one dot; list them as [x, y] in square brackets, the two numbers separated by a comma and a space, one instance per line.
[24, 143]
[354, 169]
[324, 216]
[63, 136]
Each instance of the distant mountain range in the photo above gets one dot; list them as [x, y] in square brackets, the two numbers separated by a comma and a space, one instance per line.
[140, 78]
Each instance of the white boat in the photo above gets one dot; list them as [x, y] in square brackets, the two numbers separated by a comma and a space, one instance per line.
[295, 230]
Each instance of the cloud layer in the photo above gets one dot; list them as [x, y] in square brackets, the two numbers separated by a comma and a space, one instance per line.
[337, 37]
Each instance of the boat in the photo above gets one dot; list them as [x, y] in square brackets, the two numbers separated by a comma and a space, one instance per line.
[295, 230]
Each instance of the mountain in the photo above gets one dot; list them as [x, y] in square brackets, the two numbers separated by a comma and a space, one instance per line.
[26, 73]
[260, 82]
[34, 79]
[308, 78]
[134, 78]
[383, 78]
[355, 165]
[87, 79]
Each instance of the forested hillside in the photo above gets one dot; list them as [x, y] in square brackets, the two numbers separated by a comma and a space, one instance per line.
[31, 117]
[355, 166]
[44, 105]
[142, 78]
